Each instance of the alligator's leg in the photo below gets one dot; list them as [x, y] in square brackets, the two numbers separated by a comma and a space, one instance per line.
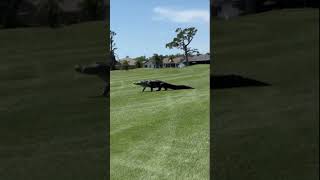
[159, 89]
[151, 89]
[165, 87]
[143, 89]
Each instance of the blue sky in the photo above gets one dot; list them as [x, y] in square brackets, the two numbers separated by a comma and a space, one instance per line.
[143, 27]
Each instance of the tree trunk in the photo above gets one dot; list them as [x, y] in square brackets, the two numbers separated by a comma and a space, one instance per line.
[186, 56]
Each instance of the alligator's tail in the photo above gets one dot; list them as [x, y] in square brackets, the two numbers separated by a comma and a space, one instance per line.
[177, 87]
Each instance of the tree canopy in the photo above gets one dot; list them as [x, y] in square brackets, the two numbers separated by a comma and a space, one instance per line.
[182, 41]
[93, 9]
[52, 11]
[156, 59]
[112, 49]
[8, 12]
[139, 61]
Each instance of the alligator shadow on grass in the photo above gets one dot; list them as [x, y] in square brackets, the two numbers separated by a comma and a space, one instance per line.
[233, 81]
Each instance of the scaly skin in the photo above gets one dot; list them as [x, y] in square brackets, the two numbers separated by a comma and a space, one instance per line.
[160, 84]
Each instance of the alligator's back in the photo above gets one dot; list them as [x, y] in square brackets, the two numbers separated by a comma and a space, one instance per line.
[160, 84]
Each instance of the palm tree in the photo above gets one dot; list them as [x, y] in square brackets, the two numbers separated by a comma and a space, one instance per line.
[112, 49]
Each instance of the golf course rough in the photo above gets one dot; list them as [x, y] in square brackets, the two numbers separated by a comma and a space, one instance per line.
[51, 126]
[160, 134]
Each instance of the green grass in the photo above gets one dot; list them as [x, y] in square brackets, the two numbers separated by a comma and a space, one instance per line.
[270, 132]
[160, 135]
[50, 128]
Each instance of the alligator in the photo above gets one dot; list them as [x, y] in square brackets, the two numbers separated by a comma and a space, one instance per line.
[99, 69]
[160, 84]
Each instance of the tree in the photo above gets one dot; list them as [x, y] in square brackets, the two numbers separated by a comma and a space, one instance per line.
[93, 9]
[125, 65]
[183, 40]
[52, 10]
[139, 61]
[156, 59]
[162, 57]
[171, 57]
[112, 49]
[9, 10]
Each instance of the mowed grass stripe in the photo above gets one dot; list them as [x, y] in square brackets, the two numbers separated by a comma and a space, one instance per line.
[268, 132]
[160, 135]
[50, 127]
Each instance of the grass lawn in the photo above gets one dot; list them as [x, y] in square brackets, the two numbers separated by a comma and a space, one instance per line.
[50, 127]
[271, 132]
[160, 135]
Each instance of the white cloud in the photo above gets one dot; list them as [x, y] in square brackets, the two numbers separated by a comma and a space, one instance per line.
[181, 16]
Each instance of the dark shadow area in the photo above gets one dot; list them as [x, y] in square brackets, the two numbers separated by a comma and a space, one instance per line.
[233, 81]
[97, 97]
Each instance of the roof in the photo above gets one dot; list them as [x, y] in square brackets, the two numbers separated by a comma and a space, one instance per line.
[176, 60]
[166, 60]
[201, 57]
[131, 61]
[148, 62]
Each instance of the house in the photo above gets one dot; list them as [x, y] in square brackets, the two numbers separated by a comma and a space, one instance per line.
[172, 62]
[200, 59]
[131, 62]
[179, 62]
[149, 64]
[197, 59]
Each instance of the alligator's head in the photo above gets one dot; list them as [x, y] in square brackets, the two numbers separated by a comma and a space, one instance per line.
[141, 83]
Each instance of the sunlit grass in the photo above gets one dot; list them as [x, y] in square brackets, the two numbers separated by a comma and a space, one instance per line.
[160, 135]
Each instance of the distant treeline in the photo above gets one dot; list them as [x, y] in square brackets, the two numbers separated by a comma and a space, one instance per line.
[256, 6]
[53, 13]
